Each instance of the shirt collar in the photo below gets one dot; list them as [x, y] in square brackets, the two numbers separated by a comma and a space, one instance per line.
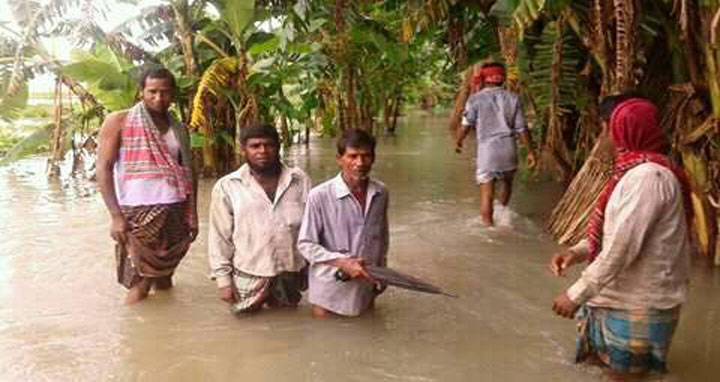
[243, 173]
[342, 190]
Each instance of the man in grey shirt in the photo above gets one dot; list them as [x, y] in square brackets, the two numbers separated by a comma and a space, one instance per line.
[345, 227]
[497, 116]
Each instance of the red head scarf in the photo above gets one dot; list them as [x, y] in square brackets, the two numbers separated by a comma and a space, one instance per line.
[637, 136]
[493, 74]
[634, 127]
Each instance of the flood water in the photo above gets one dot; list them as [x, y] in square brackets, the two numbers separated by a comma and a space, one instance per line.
[61, 317]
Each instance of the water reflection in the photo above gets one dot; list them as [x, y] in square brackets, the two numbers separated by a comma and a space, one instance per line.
[61, 318]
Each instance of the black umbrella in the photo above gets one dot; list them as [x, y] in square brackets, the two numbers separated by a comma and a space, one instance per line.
[392, 277]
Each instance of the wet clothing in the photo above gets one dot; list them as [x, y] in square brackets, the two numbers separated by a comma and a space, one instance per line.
[335, 226]
[497, 116]
[628, 341]
[638, 247]
[251, 292]
[153, 186]
[158, 238]
[490, 176]
[645, 258]
[251, 234]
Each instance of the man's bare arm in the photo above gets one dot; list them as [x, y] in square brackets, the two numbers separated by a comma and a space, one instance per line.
[107, 156]
[462, 134]
[525, 139]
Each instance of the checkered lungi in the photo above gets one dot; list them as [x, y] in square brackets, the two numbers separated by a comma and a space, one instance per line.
[251, 292]
[627, 341]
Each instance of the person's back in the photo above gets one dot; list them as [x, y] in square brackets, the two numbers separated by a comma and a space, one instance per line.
[656, 276]
[497, 117]
[629, 296]
[498, 114]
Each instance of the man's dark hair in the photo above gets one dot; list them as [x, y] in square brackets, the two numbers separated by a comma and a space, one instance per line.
[259, 131]
[156, 73]
[608, 104]
[357, 139]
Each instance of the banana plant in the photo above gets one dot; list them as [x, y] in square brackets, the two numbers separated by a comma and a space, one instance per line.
[109, 76]
[226, 78]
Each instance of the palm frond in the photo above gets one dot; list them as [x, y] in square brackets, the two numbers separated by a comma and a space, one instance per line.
[146, 19]
[554, 67]
[32, 16]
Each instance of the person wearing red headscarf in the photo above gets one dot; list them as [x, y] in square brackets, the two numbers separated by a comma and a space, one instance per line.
[638, 249]
[497, 117]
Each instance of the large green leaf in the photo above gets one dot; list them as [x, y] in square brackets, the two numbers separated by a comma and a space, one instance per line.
[108, 76]
[237, 15]
[264, 47]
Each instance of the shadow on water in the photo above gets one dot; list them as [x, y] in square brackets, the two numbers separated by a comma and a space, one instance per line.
[61, 317]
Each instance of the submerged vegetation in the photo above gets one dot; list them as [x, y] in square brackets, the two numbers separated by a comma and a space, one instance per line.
[324, 66]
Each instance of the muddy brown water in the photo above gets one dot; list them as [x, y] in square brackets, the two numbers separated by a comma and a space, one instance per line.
[61, 317]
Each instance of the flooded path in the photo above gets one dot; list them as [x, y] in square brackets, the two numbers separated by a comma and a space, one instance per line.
[61, 317]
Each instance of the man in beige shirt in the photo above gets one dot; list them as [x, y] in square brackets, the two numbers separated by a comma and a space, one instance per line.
[255, 215]
[638, 252]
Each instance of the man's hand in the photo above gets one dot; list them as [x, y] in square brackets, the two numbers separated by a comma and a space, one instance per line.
[562, 261]
[226, 294]
[531, 160]
[118, 229]
[353, 267]
[458, 147]
[563, 306]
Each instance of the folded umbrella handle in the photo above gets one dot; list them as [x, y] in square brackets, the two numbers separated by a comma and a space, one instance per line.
[342, 276]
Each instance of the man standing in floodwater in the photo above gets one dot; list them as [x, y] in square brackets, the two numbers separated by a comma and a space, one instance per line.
[145, 177]
[255, 215]
[345, 227]
[637, 247]
[497, 116]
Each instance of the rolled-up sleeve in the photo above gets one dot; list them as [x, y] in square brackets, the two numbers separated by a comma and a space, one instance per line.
[311, 233]
[469, 117]
[639, 205]
[220, 244]
[581, 248]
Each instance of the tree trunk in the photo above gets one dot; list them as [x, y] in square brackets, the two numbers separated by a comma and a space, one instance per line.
[56, 147]
[285, 131]
[185, 37]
